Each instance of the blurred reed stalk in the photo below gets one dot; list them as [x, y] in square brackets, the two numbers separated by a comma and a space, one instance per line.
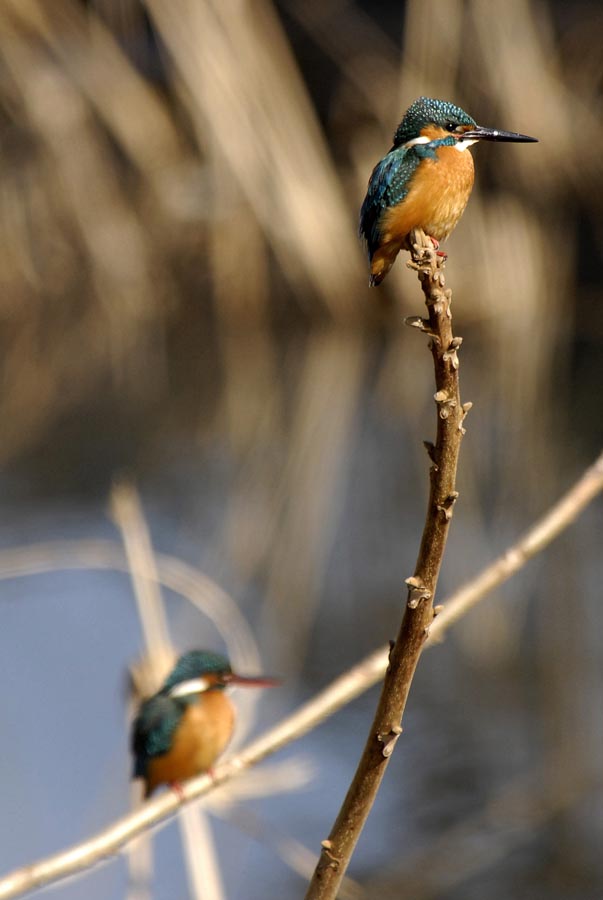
[199, 850]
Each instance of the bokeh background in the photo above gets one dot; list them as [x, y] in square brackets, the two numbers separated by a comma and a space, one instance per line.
[184, 313]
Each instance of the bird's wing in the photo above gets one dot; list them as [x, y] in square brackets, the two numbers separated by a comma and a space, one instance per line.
[153, 730]
[388, 186]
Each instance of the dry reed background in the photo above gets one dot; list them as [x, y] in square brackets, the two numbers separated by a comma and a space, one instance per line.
[183, 297]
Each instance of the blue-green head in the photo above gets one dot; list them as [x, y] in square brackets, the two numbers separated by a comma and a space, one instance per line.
[198, 665]
[439, 120]
[201, 670]
[426, 111]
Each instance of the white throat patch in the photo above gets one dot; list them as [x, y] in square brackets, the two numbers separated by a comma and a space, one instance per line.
[462, 145]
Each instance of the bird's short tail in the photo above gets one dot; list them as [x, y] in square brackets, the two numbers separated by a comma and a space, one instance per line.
[381, 262]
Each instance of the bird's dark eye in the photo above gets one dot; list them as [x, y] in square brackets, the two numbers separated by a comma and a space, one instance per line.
[451, 126]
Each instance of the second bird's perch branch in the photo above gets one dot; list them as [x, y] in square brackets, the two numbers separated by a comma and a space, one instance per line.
[419, 610]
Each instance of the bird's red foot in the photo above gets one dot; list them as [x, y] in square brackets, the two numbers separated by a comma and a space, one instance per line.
[436, 247]
[176, 786]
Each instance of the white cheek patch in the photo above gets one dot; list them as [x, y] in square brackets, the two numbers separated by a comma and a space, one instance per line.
[418, 140]
[462, 145]
[192, 686]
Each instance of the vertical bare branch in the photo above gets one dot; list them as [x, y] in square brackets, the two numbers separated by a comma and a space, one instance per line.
[385, 729]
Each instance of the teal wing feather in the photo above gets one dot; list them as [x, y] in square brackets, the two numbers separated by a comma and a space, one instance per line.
[388, 186]
[153, 730]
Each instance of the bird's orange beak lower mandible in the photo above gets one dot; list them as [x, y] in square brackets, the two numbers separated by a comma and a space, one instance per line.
[251, 681]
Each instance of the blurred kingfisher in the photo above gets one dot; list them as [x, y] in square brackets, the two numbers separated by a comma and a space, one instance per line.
[424, 181]
[182, 729]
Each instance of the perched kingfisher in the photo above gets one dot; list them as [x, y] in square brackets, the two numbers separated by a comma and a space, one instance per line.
[424, 181]
[182, 729]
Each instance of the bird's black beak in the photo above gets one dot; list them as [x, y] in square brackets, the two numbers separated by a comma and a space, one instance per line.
[493, 134]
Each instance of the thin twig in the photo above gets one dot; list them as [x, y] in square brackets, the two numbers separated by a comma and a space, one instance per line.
[340, 692]
[418, 614]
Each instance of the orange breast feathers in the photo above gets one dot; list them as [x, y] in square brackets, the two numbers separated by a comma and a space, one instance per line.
[439, 192]
[202, 735]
